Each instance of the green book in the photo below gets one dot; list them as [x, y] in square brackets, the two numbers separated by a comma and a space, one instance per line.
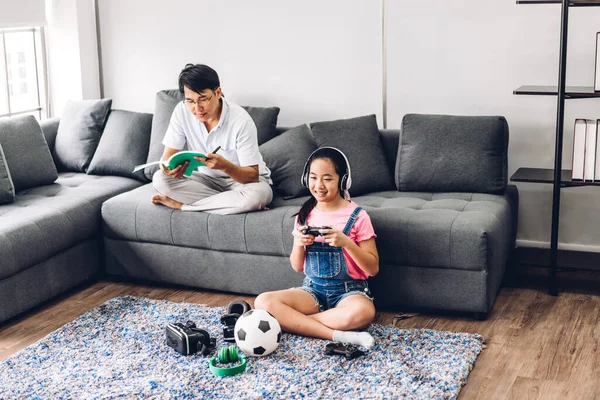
[178, 159]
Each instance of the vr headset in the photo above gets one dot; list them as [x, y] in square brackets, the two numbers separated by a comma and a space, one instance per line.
[188, 339]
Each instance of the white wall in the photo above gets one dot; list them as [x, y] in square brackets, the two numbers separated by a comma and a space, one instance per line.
[321, 60]
[88, 47]
[316, 60]
[467, 57]
[72, 52]
[16, 14]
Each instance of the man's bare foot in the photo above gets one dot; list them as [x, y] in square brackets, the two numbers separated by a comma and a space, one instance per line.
[166, 201]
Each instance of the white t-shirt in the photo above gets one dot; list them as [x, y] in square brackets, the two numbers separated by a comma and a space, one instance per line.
[235, 133]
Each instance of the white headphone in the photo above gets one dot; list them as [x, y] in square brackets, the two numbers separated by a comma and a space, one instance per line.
[345, 180]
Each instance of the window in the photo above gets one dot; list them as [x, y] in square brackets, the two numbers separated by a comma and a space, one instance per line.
[22, 72]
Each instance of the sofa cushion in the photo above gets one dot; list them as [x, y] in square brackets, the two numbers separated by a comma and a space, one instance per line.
[131, 216]
[285, 155]
[46, 220]
[26, 152]
[462, 231]
[444, 153]
[265, 119]
[165, 103]
[123, 145]
[359, 139]
[79, 131]
[7, 189]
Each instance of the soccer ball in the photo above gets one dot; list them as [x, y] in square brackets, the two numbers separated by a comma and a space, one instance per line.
[257, 333]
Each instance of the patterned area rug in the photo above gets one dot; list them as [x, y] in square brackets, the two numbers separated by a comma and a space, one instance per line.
[118, 350]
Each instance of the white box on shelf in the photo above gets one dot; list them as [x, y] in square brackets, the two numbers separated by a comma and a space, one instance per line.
[590, 151]
[578, 149]
[597, 169]
[597, 69]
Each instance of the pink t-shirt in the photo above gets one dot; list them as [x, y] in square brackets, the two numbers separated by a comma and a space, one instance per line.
[361, 230]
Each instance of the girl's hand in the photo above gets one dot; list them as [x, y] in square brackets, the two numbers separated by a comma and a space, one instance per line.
[335, 237]
[302, 240]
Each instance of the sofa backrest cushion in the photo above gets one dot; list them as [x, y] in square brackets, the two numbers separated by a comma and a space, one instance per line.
[165, 103]
[123, 145]
[445, 153]
[285, 155]
[360, 140]
[7, 189]
[265, 119]
[390, 142]
[79, 131]
[50, 129]
[26, 152]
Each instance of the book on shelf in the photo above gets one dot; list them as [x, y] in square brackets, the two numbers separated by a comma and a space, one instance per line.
[597, 69]
[579, 149]
[589, 157]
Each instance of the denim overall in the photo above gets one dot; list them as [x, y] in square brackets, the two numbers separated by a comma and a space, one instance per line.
[327, 278]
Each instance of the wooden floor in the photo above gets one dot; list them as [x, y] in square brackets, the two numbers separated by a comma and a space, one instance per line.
[538, 346]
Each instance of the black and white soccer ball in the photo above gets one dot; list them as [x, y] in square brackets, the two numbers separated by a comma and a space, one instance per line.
[257, 333]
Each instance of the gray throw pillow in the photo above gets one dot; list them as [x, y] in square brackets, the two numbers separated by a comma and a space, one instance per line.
[79, 131]
[445, 153]
[265, 119]
[26, 152]
[123, 145]
[285, 155]
[165, 103]
[7, 189]
[359, 139]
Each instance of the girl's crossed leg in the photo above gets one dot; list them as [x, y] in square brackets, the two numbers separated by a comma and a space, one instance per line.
[298, 312]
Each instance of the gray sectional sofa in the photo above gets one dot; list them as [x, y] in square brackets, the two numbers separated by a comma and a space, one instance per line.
[50, 234]
[436, 191]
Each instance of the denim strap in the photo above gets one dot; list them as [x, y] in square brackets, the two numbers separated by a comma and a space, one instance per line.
[351, 220]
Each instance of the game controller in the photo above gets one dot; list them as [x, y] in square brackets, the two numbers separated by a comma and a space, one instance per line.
[348, 350]
[314, 230]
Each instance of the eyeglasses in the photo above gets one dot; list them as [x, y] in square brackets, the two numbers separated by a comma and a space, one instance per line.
[200, 102]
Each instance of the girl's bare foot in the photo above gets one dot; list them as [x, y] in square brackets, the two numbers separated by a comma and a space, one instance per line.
[166, 201]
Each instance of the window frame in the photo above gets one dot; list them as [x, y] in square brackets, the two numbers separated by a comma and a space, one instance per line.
[39, 52]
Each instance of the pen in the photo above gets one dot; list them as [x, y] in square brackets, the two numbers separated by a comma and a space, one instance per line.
[215, 150]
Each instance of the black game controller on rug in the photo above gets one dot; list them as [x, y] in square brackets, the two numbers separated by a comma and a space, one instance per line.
[314, 230]
[347, 350]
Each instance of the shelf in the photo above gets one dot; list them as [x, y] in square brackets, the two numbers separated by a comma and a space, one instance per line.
[571, 92]
[546, 175]
[572, 3]
[563, 177]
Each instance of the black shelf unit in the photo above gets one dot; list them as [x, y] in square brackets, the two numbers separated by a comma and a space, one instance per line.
[571, 92]
[557, 176]
[546, 175]
[572, 3]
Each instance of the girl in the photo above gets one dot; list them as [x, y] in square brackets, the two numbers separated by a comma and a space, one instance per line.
[334, 298]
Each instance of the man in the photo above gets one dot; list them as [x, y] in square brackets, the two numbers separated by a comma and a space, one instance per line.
[235, 179]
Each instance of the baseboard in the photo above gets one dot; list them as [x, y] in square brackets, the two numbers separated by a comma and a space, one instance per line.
[566, 259]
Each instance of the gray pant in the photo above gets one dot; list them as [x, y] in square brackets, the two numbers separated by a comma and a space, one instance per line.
[200, 192]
